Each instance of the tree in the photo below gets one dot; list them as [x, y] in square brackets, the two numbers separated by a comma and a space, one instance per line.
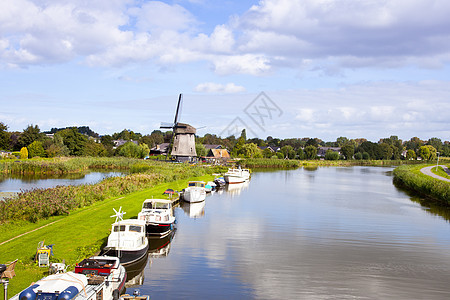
[251, 150]
[4, 137]
[24, 153]
[200, 150]
[267, 153]
[29, 135]
[310, 152]
[300, 153]
[410, 155]
[57, 147]
[74, 140]
[130, 149]
[424, 152]
[331, 155]
[341, 141]
[91, 148]
[237, 149]
[36, 149]
[358, 156]
[386, 151]
[348, 150]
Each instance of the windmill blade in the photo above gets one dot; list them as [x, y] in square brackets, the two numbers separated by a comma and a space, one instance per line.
[166, 125]
[178, 112]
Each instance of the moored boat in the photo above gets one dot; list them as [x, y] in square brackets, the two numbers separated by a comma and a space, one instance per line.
[127, 241]
[195, 192]
[158, 216]
[98, 277]
[236, 175]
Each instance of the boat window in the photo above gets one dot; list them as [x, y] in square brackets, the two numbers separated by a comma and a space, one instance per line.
[191, 184]
[161, 205]
[116, 228]
[135, 228]
[148, 205]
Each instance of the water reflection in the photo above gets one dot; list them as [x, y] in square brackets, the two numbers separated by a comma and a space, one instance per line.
[346, 235]
[18, 182]
[135, 272]
[237, 188]
[194, 209]
[159, 247]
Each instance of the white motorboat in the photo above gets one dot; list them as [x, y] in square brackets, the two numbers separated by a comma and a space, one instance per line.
[158, 216]
[237, 175]
[127, 241]
[98, 277]
[210, 186]
[195, 192]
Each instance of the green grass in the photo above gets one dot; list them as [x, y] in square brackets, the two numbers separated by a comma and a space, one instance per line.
[80, 234]
[440, 172]
[411, 177]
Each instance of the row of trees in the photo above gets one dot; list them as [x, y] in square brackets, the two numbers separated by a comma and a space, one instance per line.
[82, 141]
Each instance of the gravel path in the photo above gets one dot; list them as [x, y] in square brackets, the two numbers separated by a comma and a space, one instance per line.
[427, 171]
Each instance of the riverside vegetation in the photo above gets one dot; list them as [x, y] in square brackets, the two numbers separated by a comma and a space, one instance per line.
[80, 214]
[411, 177]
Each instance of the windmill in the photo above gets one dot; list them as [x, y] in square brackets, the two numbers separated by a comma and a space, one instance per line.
[183, 148]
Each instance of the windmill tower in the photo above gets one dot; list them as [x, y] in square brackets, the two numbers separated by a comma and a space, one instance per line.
[183, 148]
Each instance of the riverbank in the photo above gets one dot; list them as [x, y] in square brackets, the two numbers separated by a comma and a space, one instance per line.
[294, 163]
[80, 234]
[410, 176]
[66, 165]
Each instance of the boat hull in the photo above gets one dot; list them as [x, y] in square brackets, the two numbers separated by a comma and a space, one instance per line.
[194, 195]
[159, 229]
[127, 257]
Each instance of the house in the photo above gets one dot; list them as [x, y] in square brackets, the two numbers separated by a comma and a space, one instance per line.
[160, 149]
[210, 146]
[273, 149]
[217, 156]
[323, 150]
[118, 143]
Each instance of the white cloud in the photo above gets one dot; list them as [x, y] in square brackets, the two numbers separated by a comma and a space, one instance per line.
[241, 64]
[211, 87]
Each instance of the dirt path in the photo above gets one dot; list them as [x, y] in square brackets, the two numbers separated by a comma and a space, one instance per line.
[427, 171]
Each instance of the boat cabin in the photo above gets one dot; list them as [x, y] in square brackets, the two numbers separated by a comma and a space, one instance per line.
[196, 184]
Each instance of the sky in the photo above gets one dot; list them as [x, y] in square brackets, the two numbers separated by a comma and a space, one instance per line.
[283, 68]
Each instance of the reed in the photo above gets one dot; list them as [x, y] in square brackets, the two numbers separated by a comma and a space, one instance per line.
[411, 177]
[37, 204]
[293, 163]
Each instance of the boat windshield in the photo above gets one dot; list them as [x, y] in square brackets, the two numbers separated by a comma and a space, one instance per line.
[156, 205]
[116, 228]
[161, 205]
[135, 228]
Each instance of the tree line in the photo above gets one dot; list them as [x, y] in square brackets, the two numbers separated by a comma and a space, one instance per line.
[82, 141]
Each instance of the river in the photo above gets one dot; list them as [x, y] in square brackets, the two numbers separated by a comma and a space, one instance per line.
[329, 233]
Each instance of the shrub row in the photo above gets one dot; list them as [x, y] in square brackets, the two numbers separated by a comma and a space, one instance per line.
[411, 177]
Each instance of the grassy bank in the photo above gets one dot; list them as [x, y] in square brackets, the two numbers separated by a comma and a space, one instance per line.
[39, 204]
[65, 165]
[411, 177]
[78, 235]
[293, 163]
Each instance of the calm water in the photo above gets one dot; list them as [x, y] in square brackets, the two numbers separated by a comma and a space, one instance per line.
[16, 183]
[331, 233]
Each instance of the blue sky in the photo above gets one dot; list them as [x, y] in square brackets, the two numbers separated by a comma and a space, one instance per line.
[328, 68]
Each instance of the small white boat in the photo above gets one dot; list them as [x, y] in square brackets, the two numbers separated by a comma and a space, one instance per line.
[98, 277]
[158, 216]
[195, 192]
[220, 182]
[127, 241]
[210, 186]
[237, 175]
